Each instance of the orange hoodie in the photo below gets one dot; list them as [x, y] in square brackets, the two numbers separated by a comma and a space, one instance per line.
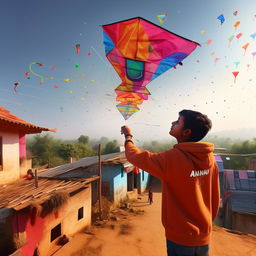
[190, 188]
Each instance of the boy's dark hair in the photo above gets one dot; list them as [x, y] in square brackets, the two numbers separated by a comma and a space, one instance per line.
[198, 123]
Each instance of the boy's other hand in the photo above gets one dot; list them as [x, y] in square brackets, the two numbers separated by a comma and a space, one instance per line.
[125, 130]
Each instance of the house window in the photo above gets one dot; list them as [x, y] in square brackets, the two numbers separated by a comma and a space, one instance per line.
[80, 213]
[143, 177]
[56, 232]
[1, 154]
[130, 181]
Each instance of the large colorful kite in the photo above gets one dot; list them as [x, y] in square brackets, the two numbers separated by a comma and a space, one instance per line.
[140, 51]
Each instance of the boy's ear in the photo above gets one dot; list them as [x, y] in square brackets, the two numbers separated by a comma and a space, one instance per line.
[187, 132]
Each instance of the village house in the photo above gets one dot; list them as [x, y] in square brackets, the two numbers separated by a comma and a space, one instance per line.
[35, 214]
[120, 179]
[239, 200]
[13, 159]
[36, 211]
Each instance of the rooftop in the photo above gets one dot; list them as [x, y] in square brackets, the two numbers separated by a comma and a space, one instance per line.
[108, 159]
[23, 193]
[8, 120]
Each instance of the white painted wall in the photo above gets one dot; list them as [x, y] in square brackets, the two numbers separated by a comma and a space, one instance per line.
[11, 162]
[68, 218]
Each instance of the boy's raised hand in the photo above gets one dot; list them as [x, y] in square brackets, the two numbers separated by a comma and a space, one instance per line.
[125, 130]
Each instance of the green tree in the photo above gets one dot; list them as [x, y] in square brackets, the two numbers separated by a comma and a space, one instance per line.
[42, 148]
[67, 150]
[240, 162]
[83, 139]
[83, 150]
[111, 147]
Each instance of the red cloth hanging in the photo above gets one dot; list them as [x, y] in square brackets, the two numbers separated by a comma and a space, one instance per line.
[136, 170]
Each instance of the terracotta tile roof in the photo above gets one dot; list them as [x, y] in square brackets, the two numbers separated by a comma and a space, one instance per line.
[7, 118]
[23, 192]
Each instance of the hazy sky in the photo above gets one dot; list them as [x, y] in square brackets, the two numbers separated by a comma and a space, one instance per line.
[47, 31]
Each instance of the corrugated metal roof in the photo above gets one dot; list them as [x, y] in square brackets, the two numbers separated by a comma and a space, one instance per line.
[243, 201]
[6, 117]
[113, 159]
[241, 180]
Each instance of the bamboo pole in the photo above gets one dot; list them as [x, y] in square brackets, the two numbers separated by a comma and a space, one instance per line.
[36, 179]
[100, 181]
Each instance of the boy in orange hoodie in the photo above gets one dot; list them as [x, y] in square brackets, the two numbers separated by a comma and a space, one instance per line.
[190, 183]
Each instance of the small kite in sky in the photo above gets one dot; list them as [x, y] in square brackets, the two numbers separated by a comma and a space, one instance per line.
[221, 18]
[236, 24]
[208, 42]
[56, 86]
[235, 13]
[216, 59]
[253, 54]
[27, 75]
[36, 74]
[140, 51]
[66, 80]
[253, 36]
[230, 39]
[77, 65]
[53, 68]
[239, 35]
[202, 32]
[161, 18]
[78, 48]
[236, 63]
[235, 73]
[15, 86]
[245, 47]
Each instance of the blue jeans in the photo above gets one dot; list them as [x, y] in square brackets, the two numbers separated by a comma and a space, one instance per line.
[174, 249]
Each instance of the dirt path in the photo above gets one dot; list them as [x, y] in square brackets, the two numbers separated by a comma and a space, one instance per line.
[141, 234]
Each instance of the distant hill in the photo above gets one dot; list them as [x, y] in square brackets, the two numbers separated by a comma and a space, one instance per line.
[236, 134]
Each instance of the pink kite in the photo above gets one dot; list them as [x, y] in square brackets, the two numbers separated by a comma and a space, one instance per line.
[235, 13]
[216, 59]
[209, 41]
[239, 35]
[140, 51]
[235, 73]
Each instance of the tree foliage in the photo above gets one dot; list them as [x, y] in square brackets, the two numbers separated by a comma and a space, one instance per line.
[46, 149]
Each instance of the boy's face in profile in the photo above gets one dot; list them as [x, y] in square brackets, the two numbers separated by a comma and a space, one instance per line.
[177, 130]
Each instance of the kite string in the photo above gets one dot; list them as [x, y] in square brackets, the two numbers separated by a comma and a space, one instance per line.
[99, 56]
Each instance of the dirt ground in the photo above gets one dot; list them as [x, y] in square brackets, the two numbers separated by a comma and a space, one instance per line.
[139, 232]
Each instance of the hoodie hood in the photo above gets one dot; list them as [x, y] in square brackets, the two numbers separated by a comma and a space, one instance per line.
[200, 153]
